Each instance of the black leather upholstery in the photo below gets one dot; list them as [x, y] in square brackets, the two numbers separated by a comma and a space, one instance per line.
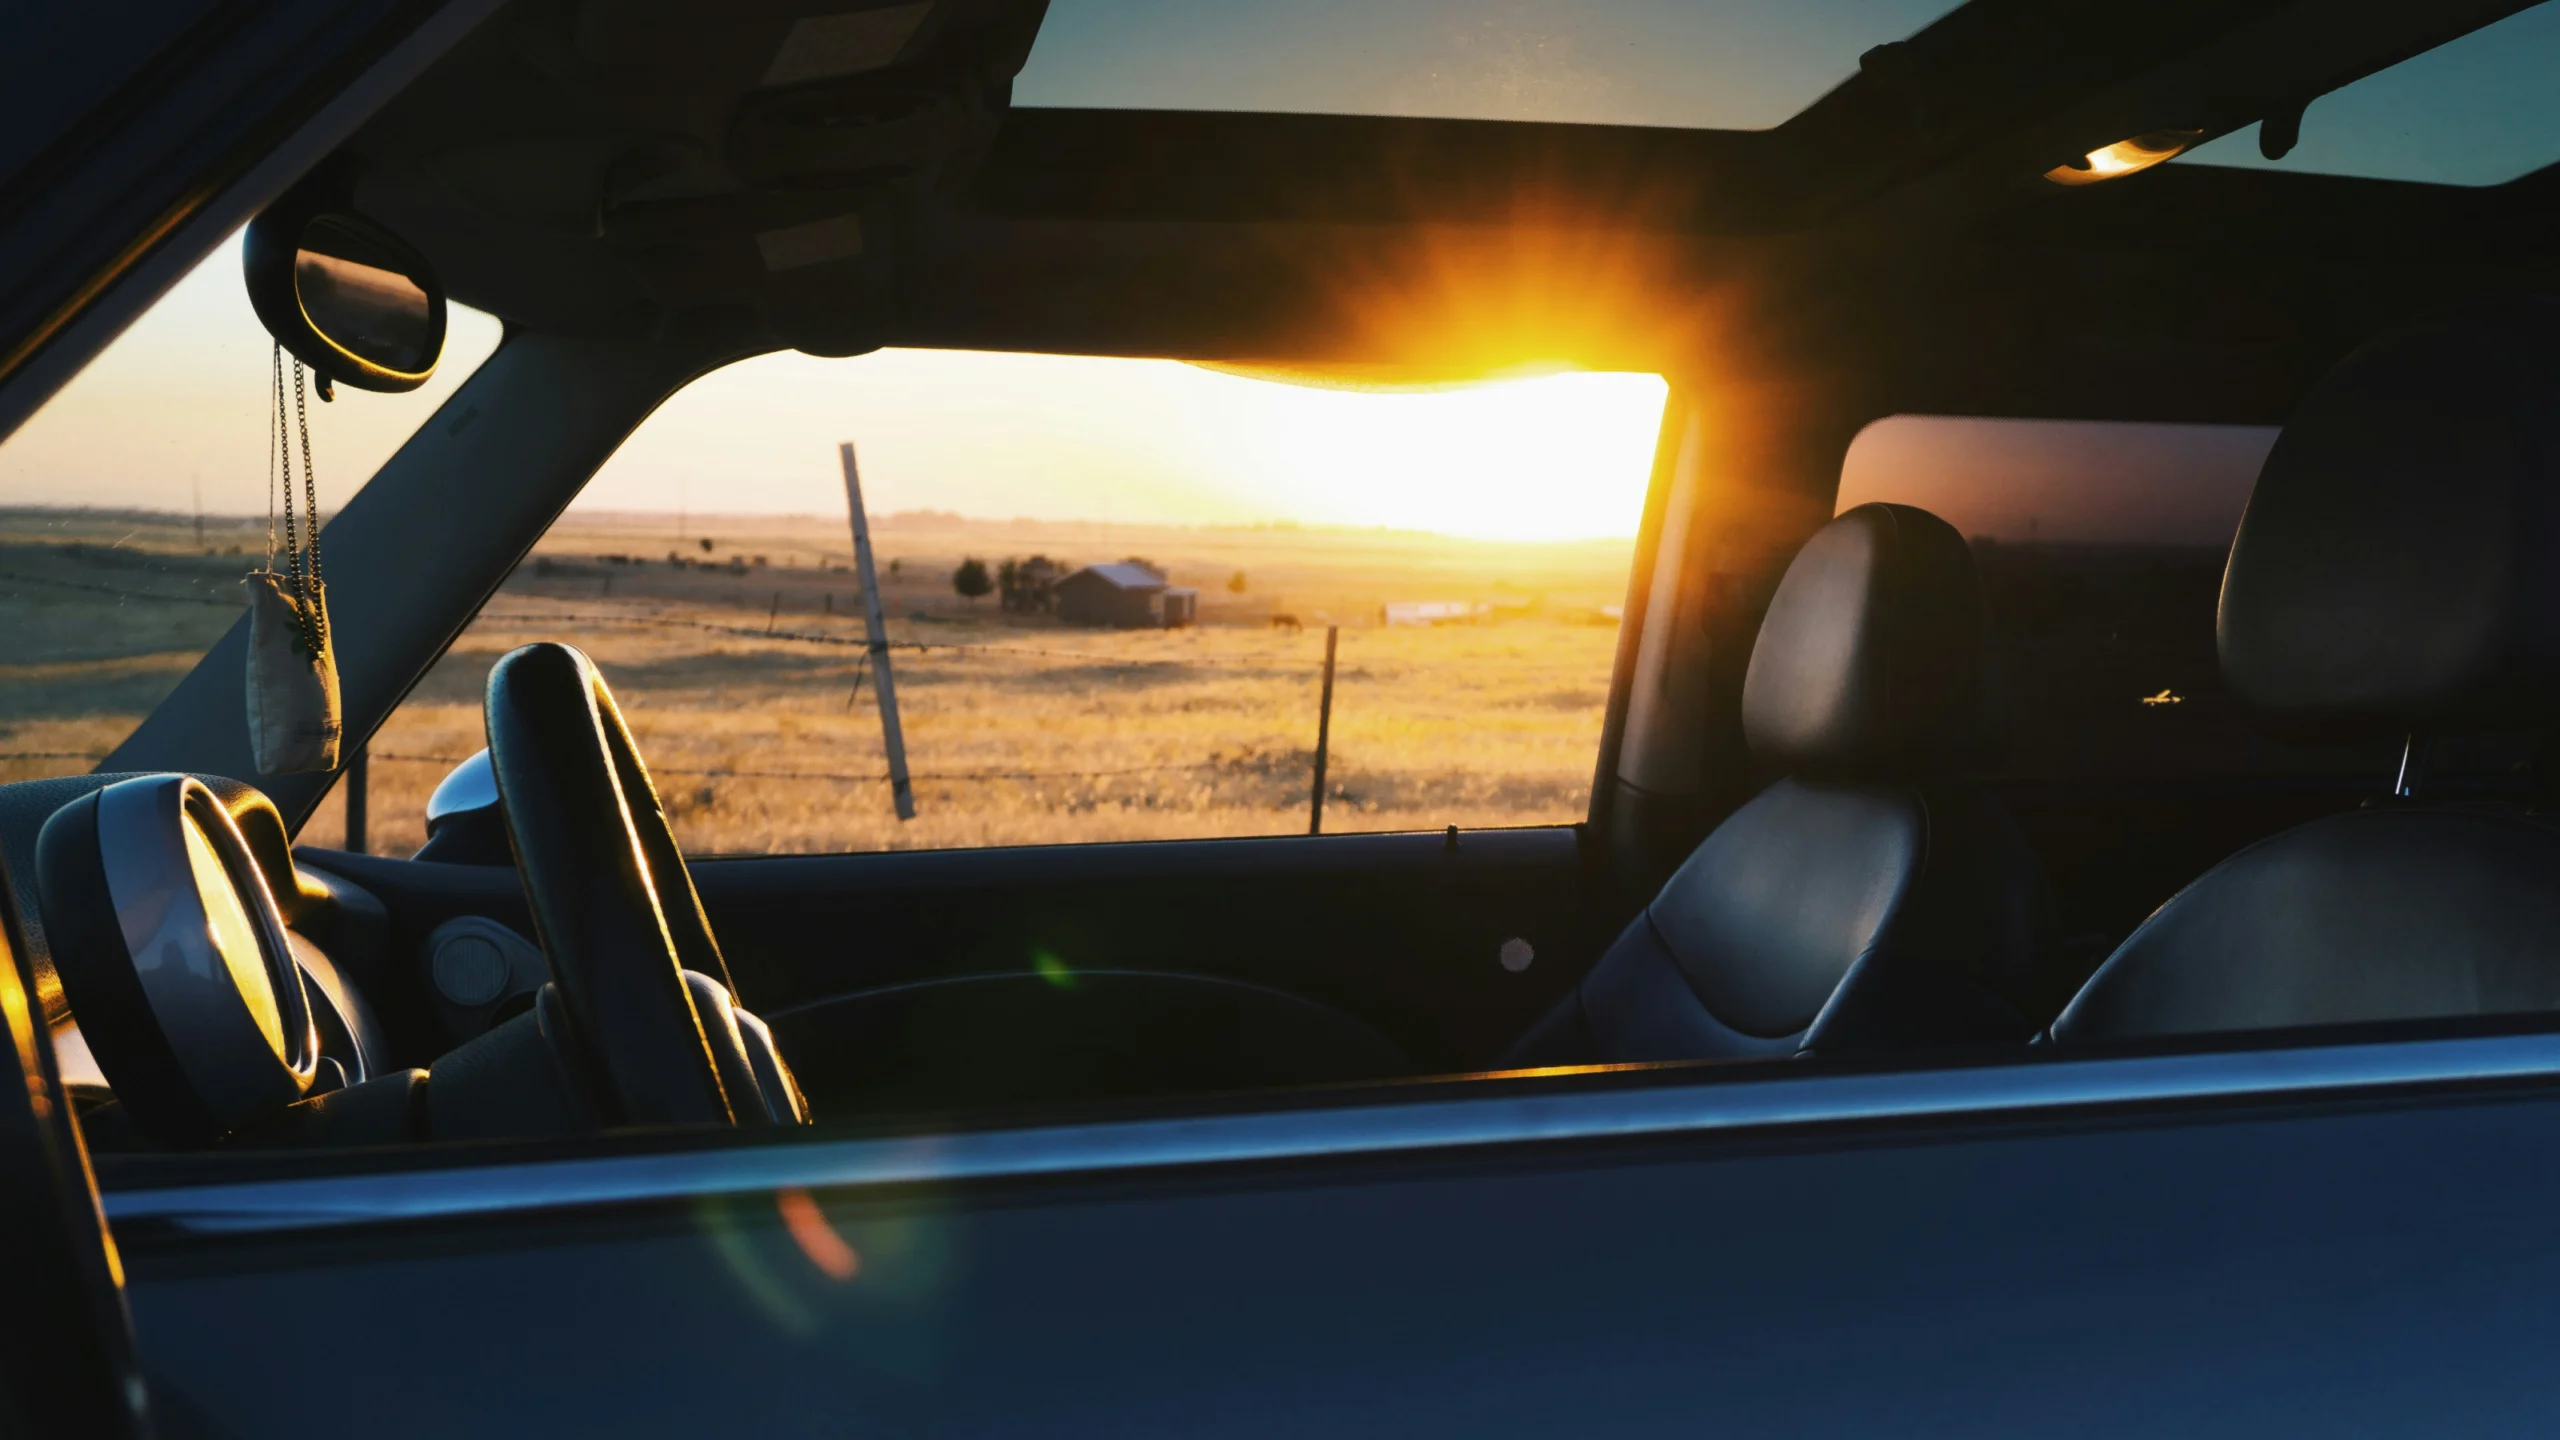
[1872, 900]
[2395, 569]
[2394, 914]
[1870, 661]
[2398, 572]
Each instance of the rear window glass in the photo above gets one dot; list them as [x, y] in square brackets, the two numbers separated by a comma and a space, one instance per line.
[2101, 547]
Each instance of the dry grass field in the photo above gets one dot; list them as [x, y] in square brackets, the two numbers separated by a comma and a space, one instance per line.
[738, 670]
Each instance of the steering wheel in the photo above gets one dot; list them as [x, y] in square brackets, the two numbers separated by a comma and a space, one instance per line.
[651, 1018]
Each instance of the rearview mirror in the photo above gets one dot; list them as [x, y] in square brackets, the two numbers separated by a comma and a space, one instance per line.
[346, 296]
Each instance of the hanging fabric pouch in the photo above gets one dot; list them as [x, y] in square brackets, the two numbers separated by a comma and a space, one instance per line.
[294, 721]
[293, 688]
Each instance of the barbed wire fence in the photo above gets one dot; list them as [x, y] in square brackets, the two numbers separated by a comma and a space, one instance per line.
[767, 632]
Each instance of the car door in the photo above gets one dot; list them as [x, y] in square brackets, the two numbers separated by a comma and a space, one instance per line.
[1449, 944]
[2318, 1238]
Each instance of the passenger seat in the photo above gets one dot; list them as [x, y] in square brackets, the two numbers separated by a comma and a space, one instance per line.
[2397, 575]
[1871, 900]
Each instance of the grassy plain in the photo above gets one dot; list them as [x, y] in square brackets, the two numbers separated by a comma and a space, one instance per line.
[738, 671]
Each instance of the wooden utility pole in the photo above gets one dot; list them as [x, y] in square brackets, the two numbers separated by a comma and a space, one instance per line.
[876, 628]
[1324, 732]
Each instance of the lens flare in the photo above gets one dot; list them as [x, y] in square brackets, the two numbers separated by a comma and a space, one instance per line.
[816, 1238]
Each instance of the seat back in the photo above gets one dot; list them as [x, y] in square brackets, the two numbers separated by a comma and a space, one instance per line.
[1870, 899]
[2397, 575]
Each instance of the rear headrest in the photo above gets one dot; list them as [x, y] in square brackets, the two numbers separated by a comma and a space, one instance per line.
[1870, 663]
[2398, 568]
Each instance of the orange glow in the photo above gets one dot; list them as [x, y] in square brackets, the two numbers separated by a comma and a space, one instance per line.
[2125, 157]
[816, 1238]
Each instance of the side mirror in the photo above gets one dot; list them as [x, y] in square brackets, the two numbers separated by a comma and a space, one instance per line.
[465, 823]
[347, 297]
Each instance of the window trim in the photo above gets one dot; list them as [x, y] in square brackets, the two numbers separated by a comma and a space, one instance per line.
[1525, 1111]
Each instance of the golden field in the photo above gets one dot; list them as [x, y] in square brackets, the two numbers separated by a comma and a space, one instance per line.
[737, 670]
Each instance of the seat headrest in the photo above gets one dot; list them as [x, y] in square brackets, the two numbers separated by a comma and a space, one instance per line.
[1870, 663]
[2398, 568]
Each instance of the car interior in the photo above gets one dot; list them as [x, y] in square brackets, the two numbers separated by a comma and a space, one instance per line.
[1805, 843]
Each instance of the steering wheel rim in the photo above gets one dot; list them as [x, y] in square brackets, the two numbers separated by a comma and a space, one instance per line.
[613, 906]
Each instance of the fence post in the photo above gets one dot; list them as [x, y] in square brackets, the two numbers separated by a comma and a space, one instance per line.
[1324, 733]
[876, 629]
[358, 774]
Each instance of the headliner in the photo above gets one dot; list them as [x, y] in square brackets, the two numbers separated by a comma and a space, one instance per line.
[581, 166]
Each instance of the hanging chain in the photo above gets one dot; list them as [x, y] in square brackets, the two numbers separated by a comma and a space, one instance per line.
[306, 562]
[302, 533]
[281, 454]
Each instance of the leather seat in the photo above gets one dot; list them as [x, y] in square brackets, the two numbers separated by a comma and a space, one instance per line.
[2397, 575]
[1870, 900]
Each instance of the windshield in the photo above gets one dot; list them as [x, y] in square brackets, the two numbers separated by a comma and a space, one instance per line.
[1127, 600]
[1719, 64]
[134, 501]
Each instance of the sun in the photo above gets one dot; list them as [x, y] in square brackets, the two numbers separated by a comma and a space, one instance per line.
[1559, 457]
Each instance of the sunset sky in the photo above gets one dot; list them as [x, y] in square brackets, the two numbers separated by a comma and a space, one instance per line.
[181, 399]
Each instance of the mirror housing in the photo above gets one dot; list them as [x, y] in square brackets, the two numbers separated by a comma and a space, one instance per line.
[345, 296]
[466, 824]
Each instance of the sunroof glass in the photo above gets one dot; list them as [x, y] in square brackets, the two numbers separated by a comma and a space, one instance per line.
[2480, 110]
[1718, 64]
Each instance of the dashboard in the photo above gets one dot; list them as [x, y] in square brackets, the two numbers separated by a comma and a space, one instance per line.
[203, 990]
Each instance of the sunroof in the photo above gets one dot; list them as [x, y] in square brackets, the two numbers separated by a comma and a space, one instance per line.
[1719, 64]
[2481, 110]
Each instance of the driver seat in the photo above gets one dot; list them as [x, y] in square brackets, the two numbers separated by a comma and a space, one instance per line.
[1872, 899]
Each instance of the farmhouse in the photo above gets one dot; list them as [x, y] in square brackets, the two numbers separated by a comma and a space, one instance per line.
[1125, 595]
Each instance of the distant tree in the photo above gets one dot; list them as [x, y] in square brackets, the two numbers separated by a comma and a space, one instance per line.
[705, 542]
[1029, 587]
[971, 579]
[893, 568]
[1235, 583]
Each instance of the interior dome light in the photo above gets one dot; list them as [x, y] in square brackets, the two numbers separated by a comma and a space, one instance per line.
[2124, 157]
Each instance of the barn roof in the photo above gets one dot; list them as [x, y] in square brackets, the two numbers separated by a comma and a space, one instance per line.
[1125, 576]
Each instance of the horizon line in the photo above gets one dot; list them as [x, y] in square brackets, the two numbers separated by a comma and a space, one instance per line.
[600, 515]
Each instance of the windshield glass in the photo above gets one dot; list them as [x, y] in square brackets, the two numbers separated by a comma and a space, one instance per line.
[1719, 64]
[2479, 111]
[1123, 599]
[134, 501]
